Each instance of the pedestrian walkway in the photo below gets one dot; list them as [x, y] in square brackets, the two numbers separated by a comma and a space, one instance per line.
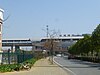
[41, 67]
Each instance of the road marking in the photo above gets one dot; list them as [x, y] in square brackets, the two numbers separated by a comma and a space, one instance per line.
[64, 67]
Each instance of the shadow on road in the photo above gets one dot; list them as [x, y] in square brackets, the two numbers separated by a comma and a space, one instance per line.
[84, 64]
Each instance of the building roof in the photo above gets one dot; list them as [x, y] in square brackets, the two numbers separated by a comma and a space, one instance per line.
[67, 37]
[16, 39]
[32, 39]
[35, 39]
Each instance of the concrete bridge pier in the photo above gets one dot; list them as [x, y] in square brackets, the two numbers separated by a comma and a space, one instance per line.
[12, 49]
[33, 48]
[17, 48]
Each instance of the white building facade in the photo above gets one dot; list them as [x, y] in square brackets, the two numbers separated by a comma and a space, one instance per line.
[1, 22]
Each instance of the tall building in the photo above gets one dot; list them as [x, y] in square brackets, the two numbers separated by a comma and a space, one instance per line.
[1, 22]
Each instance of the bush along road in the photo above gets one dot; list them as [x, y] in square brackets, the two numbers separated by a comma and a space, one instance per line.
[26, 65]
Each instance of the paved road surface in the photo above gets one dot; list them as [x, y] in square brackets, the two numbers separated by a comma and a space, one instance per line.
[78, 67]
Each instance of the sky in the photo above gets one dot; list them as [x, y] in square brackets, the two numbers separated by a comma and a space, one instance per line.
[28, 18]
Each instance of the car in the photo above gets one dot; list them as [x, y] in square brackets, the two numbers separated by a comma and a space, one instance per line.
[59, 55]
[71, 57]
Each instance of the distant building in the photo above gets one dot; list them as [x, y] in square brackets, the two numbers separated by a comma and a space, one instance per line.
[63, 42]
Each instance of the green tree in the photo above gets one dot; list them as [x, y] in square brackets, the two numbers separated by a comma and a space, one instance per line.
[82, 47]
[96, 39]
[86, 45]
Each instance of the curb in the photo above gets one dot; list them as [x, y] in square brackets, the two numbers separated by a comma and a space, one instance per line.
[64, 67]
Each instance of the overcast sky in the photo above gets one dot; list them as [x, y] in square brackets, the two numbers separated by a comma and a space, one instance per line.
[28, 18]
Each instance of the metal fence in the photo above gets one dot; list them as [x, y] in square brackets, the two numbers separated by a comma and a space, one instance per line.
[16, 57]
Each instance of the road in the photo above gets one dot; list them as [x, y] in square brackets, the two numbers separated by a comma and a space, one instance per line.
[77, 67]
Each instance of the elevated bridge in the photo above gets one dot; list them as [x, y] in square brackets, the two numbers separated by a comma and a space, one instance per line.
[17, 43]
[64, 42]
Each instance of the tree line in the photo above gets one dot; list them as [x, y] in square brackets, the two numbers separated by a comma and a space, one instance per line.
[88, 46]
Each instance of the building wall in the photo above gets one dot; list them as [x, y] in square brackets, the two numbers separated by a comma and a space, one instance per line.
[1, 22]
[0, 34]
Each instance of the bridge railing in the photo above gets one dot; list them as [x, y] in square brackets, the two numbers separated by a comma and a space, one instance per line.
[19, 42]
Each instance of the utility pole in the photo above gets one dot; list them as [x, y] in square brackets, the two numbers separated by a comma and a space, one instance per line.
[47, 30]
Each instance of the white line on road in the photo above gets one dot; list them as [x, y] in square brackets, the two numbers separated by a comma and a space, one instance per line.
[64, 67]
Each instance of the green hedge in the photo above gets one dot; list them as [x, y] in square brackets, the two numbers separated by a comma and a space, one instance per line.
[89, 59]
[15, 67]
[8, 67]
[30, 61]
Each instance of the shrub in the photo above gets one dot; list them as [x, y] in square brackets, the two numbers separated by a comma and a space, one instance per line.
[8, 67]
[30, 61]
[15, 67]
